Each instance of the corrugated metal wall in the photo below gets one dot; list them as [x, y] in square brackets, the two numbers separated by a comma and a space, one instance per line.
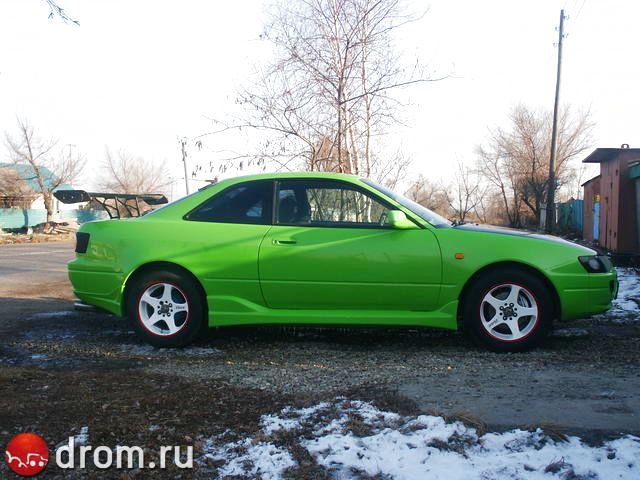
[570, 216]
[627, 223]
[618, 229]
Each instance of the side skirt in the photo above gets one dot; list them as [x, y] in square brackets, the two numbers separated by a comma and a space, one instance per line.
[229, 311]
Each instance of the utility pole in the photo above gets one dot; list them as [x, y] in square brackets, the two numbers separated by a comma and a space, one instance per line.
[183, 145]
[70, 145]
[551, 207]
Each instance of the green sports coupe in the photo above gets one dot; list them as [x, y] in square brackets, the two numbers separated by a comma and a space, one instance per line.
[330, 249]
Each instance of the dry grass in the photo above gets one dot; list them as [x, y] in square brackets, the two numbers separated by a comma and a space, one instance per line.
[551, 430]
[13, 238]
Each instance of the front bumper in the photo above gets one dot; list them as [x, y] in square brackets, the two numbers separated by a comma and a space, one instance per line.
[592, 294]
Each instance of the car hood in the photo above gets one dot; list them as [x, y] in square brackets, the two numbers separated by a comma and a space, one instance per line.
[520, 233]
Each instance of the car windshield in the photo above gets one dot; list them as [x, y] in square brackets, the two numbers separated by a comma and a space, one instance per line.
[432, 217]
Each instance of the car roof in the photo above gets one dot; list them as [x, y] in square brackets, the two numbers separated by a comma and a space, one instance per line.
[277, 175]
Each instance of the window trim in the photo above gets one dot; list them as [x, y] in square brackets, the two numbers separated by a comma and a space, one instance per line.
[225, 190]
[352, 186]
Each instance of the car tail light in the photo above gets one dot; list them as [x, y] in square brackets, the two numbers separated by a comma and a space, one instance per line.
[82, 242]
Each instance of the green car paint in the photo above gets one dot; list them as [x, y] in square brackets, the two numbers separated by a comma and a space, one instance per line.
[294, 274]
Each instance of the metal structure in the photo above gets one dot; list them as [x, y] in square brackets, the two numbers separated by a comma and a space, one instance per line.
[113, 203]
[610, 200]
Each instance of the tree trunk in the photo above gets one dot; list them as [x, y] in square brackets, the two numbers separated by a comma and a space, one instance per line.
[48, 205]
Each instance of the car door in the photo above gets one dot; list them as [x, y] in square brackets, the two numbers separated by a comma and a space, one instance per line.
[222, 237]
[330, 248]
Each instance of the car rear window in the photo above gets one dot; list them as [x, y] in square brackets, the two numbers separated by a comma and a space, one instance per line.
[248, 202]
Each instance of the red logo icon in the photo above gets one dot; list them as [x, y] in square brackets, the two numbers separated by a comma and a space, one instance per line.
[27, 454]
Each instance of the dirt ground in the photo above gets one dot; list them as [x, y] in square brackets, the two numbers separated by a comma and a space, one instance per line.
[62, 370]
[22, 238]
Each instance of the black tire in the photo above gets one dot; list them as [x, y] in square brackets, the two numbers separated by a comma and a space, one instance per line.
[183, 290]
[478, 310]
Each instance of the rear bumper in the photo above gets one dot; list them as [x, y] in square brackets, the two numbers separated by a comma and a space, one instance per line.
[99, 287]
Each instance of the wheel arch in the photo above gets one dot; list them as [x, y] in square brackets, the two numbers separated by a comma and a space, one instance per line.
[557, 306]
[161, 265]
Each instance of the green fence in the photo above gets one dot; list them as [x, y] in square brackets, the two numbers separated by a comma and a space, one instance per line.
[570, 216]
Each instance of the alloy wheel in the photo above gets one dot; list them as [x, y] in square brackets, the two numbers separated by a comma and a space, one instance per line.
[509, 312]
[163, 309]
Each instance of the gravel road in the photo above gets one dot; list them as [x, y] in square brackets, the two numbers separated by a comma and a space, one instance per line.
[585, 379]
[26, 268]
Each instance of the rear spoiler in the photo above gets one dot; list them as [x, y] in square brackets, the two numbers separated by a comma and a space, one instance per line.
[115, 204]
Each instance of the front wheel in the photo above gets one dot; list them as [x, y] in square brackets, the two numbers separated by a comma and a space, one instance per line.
[166, 308]
[508, 310]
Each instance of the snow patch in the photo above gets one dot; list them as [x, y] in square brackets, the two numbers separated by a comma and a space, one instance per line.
[628, 300]
[274, 423]
[570, 332]
[350, 437]
[149, 351]
[45, 315]
[248, 458]
[81, 438]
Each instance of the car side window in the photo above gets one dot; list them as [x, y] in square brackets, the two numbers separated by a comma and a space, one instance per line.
[249, 202]
[328, 203]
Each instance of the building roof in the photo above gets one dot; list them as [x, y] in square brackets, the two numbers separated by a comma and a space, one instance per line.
[597, 177]
[28, 174]
[600, 155]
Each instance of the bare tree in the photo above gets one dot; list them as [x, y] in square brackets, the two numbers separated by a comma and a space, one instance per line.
[50, 169]
[14, 191]
[55, 10]
[573, 188]
[501, 175]
[429, 194]
[466, 194]
[516, 160]
[390, 171]
[327, 98]
[125, 173]
[490, 209]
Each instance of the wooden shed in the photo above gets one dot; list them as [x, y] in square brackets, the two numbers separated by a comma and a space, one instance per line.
[610, 208]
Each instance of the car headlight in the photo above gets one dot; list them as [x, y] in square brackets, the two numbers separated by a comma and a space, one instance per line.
[596, 263]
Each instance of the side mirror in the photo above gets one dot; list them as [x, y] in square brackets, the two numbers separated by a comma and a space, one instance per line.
[397, 219]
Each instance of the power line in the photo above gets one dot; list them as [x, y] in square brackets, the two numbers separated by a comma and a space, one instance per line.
[579, 10]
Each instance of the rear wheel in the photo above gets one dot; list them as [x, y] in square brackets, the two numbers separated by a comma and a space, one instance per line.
[166, 308]
[508, 310]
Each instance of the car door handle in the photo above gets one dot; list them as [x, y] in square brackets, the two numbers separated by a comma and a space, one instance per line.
[284, 242]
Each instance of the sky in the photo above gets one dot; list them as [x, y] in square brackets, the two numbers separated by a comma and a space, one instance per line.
[140, 75]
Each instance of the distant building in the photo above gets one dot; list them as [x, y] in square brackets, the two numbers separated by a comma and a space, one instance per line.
[19, 187]
[22, 202]
[612, 200]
